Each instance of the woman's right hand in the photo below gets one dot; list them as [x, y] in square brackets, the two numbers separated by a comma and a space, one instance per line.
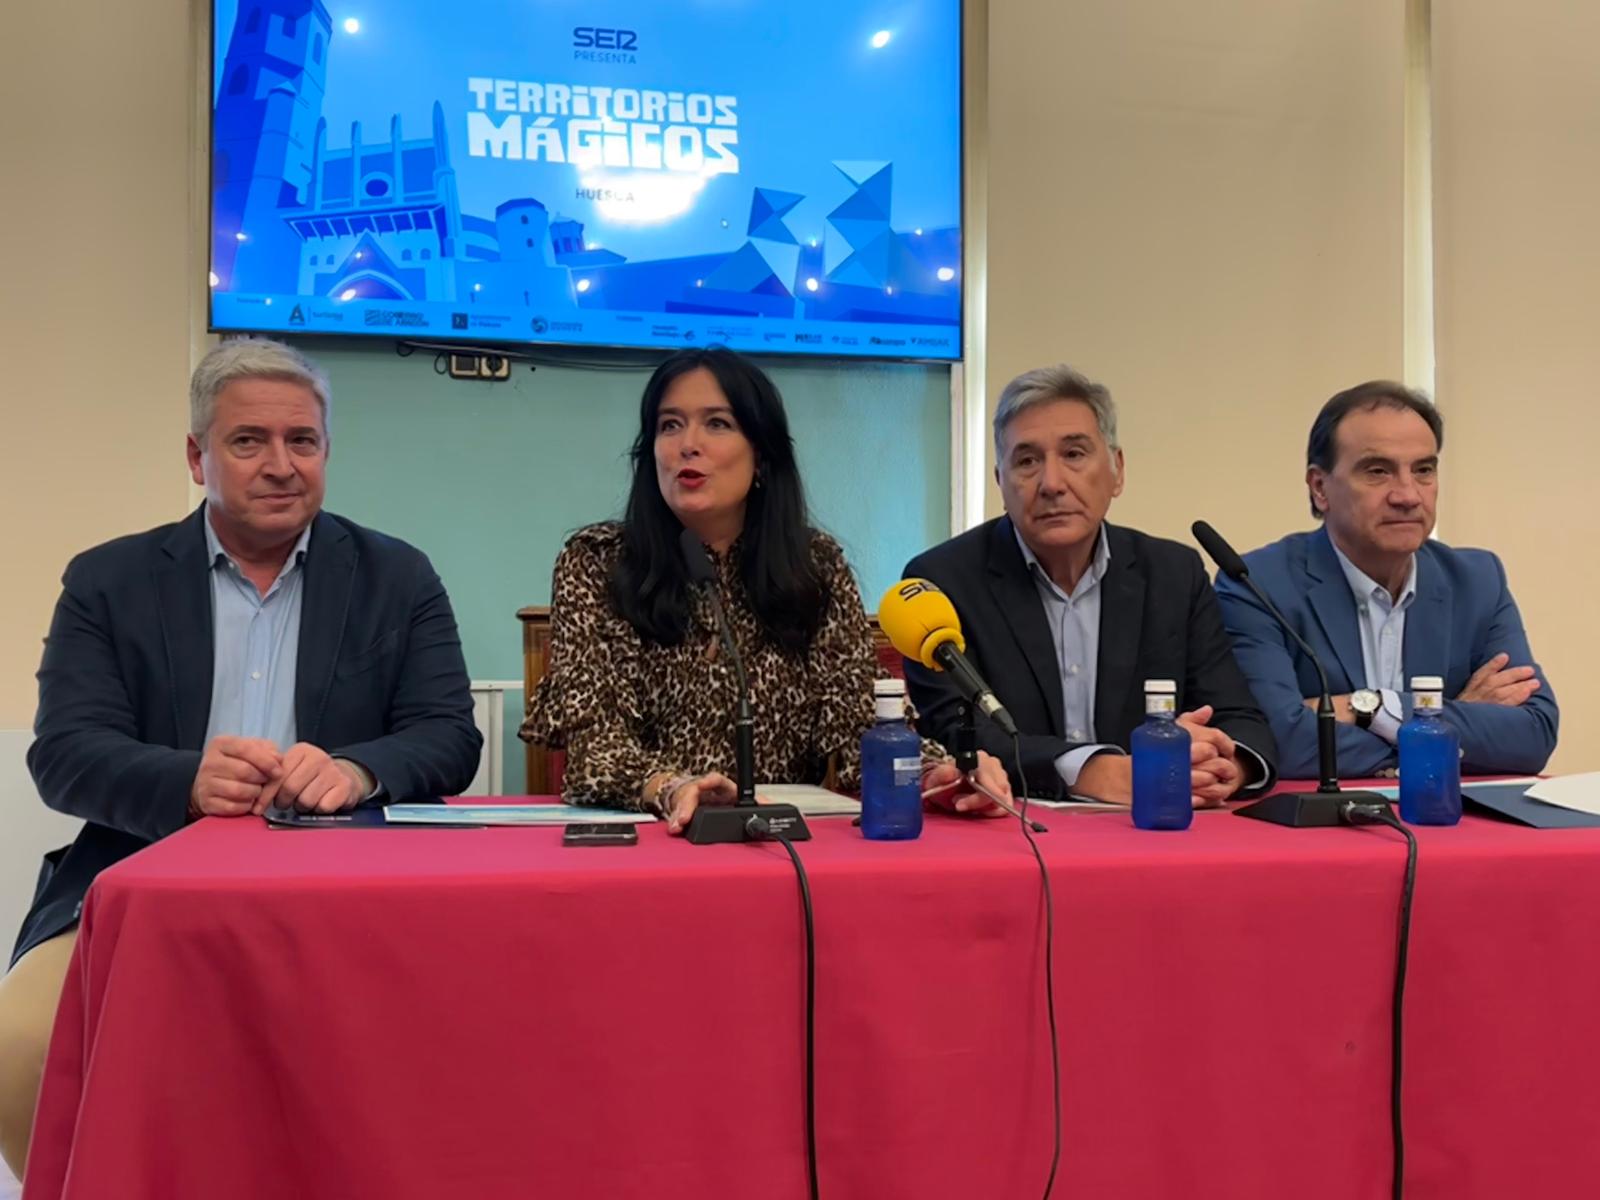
[689, 795]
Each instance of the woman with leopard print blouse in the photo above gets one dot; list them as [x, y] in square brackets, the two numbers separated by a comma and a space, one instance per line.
[637, 689]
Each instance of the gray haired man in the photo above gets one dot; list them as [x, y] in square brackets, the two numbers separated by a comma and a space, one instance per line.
[1066, 615]
[258, 652]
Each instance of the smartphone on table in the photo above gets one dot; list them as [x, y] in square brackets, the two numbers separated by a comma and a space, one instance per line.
[600, 834]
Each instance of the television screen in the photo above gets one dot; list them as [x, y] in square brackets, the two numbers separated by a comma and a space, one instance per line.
[780, 177]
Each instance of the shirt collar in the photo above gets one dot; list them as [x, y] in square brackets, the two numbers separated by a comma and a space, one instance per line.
[1095, 573]
[216, 555]
[1366, 588]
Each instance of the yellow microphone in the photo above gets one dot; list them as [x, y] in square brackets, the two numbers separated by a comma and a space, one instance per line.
[918, 618]
[921, 623]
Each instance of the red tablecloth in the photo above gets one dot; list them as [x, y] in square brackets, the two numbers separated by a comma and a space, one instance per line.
[483, 1013]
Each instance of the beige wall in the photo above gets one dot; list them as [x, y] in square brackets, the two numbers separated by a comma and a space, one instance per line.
[95, 110]
[1517, 259]
[1204, 206]
[1199, 205]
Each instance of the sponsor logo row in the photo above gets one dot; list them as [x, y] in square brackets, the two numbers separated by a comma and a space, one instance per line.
[302, 315]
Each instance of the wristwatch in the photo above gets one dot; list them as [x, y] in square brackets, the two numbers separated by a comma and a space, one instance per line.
[1365, 703]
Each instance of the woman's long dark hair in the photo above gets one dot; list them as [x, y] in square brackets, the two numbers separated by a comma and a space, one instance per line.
[650, 586]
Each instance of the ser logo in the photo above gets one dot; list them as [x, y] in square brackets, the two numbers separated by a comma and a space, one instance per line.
[909, 589]
[593, 37]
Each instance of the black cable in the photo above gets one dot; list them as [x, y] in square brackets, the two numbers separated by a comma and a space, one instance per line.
[1397, 1039]
[1049, 963]
[1382, 814]
[759, 826]
[520, 352]
[409, 347]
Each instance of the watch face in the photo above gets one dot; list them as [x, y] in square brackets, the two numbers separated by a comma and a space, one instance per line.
[1365, 701]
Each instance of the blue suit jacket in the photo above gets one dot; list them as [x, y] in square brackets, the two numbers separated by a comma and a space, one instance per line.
[1463, 615]
[125, 688]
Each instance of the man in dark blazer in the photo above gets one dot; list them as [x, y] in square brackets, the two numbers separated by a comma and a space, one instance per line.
[259, 652]
[1066, 616]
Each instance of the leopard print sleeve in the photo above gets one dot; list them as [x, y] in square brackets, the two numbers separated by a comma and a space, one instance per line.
[592, 699]
[846, 663]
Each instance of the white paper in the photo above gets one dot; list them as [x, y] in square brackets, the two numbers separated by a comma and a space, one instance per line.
[812, 801]
[1081, 803]
[509, 814]
[1580, 793]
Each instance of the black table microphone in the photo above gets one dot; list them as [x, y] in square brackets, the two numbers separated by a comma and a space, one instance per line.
[720, 823]
[1329, 804]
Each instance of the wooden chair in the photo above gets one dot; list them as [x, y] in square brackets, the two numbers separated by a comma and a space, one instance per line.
[544, 776]
[544, 765]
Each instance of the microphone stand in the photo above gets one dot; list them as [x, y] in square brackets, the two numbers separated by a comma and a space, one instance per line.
[744, 748]
[965, 751]
[740, 822]
[1329, 804]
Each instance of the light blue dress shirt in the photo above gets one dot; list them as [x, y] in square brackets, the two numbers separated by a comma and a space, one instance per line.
[1075, 630]
[1074, 622]
[255, 645]
[1382, 622]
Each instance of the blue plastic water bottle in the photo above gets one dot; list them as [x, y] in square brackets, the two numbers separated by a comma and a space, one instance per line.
[1430, 759]
[1162, 798]
[891, 769]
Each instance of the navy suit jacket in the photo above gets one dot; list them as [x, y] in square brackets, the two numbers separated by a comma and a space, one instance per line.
[1158, 620]
[1462, 617]
[125, 688]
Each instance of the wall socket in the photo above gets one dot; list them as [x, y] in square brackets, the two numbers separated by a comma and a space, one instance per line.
[480, 366]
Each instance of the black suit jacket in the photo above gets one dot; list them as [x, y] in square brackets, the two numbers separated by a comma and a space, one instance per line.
[1158, 620]
[125, 688]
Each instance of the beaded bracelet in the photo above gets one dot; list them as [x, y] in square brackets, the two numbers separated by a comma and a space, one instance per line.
[662, 800]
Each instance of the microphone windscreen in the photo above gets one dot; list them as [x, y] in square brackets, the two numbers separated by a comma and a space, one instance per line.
[694, 554]
[918, 618]
[1224, 555]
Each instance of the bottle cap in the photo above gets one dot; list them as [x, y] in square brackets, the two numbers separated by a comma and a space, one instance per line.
[1160, 687]
[888, 687]
[1427, 683]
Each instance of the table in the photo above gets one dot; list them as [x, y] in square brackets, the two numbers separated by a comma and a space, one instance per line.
[424, 1013]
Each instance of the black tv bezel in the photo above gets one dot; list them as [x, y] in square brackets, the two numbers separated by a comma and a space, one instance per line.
[559, 349]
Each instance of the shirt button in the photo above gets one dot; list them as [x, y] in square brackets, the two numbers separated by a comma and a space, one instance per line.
[1073, 669]
[255, 674]
[1075, 734]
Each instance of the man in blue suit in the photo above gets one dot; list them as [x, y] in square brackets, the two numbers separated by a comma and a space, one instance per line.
[1381, 603]
[259, 652]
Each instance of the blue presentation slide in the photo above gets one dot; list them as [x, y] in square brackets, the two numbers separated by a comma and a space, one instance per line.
[775, 177]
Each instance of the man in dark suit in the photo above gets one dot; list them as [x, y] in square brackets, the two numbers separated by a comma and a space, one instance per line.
[259, 652]
[1067, 616]
[1380, 601]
